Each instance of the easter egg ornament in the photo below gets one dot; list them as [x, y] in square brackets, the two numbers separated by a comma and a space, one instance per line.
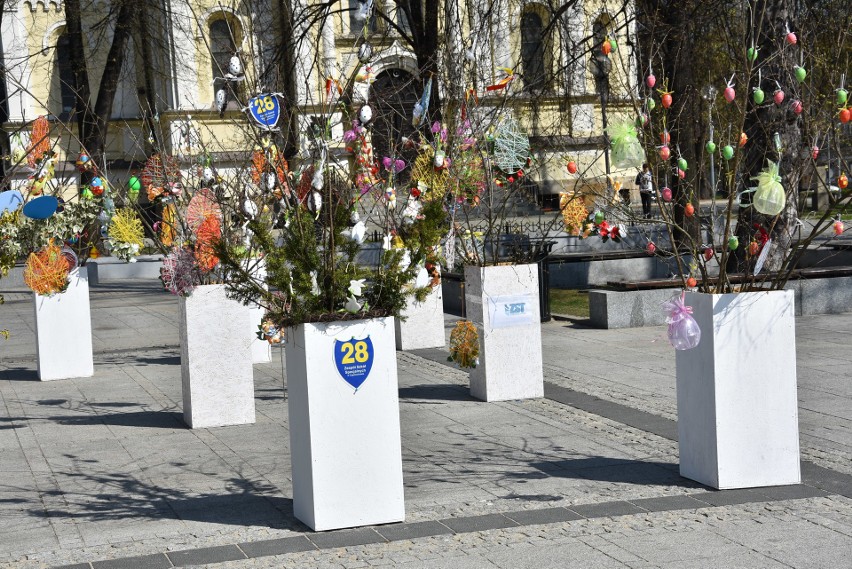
[838, 227]
[733, 243]
[365, 115]
[845, 115]
[689, 210]
[758, 96]
[751, 53]
[842, 96]
[730, 94]
[665, 137]
[666, 194]
[815, 152]
[606, 47]
[682, 163]
[842, 182]
[41, 207]
[708, 253]
[710, 147]
[572, 167]
[801, 73]
[778, 97]
[743, 139]
[651, 248]
[365, 52]
[650, 80]
[727, 152]
[666, 100]
[791, 38]
[796, 106]
[665, 152]
[599, 217]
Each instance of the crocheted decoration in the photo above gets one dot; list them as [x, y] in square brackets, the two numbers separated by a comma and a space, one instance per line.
[511, 146]
[46, 271]
[39, 141]
[178, 273]
[574, 212]
[464, 344]
[207, 235]
[125, 234]
[201, 206]
[159, 174]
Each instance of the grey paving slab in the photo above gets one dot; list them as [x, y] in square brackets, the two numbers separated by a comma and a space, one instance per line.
[730, 497]
[797, 491]
[269, 547]
[157, 561]
[543, 516]
[346, 538]
[478, 523]
[669, 503]
[75, 566]
[414, 530]
[205, 555]
[606, 509]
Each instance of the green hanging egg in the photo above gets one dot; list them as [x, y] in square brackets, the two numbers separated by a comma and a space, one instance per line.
[612, 44]
[87, 193]
[842, 96]
[651, 104]
[800, 73]
[728, 152]
[752, 54]
[682, 164]
[710, 147]
[757, 96]
[134, 184]
[599, 217]
[733, 243]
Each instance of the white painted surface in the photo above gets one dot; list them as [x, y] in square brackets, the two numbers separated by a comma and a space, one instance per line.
[736, 392]
[510, 361]
[215, 359]
[344, 444]
[261, 350]
[424, 323]
[64, 331]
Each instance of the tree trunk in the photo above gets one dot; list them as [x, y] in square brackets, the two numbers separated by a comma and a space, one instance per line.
[286, 81]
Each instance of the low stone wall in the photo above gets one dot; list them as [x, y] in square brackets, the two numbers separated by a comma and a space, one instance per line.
[634, 309]
[105, 269]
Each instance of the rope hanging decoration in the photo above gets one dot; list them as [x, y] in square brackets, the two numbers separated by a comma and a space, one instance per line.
[464, 344]
[39, 141]
[201, 206]
[207, 235]
[46, 271]
[178, 273]
[160, 175]
[126, 234]
[511, 146]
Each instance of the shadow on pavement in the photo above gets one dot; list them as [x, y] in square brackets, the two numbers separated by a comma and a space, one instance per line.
[606, 469]
[19, 374]
[442, 392]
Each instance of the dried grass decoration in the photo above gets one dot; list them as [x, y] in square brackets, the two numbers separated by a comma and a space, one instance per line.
[46, 272]
[126, 234]
[464, 345]
[436, 180]
[574, 212]
[511, 146]
[161, 176]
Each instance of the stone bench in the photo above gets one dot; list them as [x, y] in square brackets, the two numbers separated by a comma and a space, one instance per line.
[105, 269]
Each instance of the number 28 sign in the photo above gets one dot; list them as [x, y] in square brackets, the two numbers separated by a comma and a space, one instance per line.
[265, 110]
[354, 359]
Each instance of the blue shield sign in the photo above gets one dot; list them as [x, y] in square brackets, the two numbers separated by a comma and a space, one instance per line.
[354, 359]
[265, 110]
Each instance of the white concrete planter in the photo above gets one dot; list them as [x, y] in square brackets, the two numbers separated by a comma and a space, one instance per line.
[261, 350]
[64, 331]
[503, 303]
[215, 359]
[736, 392]
[345, 446]
[423, 326]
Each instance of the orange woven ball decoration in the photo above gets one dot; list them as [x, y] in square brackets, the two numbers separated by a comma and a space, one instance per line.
[46, 271]
[206, 237]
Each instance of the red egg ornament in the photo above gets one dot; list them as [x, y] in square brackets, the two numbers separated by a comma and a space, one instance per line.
[666, 194]
[572, 167]
[689, 210]
[730, 94]
[845, 115]
[650, 81]
[753, 248]
[743, 139]
[665, 152]
[666, 100]
[791, 38]
[651, 248]
[815, 152]
[691, 282]
[778, 97]
[681, 174]
[708, 253]
[838, 227]
[665, 137]
[606, 48]
[842, 182]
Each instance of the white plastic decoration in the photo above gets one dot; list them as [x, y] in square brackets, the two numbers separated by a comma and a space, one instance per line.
[365, 115]
[511, 146]
[769, 198]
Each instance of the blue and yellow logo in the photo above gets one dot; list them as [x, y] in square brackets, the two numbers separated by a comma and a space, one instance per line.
[354, 360]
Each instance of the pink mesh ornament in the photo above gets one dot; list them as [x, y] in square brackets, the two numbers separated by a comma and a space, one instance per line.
[684, 333]
[178, 272]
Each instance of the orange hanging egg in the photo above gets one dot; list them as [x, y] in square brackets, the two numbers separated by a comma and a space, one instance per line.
[691, 282]
[689, 210]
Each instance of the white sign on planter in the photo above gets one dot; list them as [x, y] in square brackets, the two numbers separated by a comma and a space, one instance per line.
[736, 392]
[343, 406]
[215, 359]
[64, 331]
[423, 326]
[503, 303]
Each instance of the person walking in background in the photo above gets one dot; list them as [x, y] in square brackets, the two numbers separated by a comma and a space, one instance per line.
[645, 181]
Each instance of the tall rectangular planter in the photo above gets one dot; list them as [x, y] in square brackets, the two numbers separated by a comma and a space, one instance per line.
[503, 303]
[736, 392]
[343, 406]
[423, 326]
[215, 359]
[64, 331]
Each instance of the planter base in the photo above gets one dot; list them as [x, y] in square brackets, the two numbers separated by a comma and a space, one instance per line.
[215, 362]
[503, 302]
[424, 323]
[736, 392]
[64, 331]
[345, 444]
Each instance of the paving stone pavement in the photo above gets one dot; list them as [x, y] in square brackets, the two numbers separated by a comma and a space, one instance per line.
[101, 472]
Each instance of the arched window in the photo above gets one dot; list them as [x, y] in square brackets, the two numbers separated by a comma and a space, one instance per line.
[222, 46]
[392, 96]
[62, 69]
[532, 50]
[600, 30]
